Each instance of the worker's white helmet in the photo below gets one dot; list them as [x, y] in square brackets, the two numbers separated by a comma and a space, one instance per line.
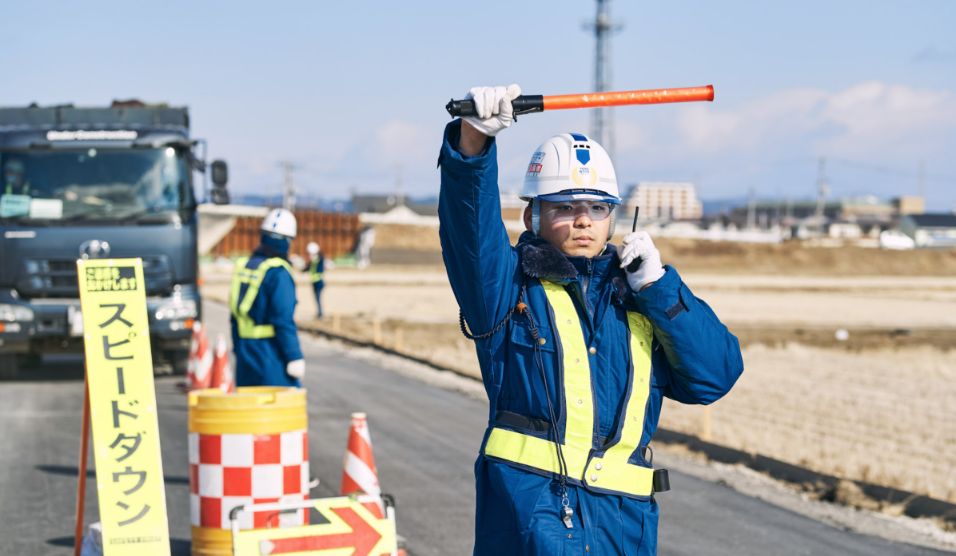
[280, 222]
[570, 167]
[312, 248]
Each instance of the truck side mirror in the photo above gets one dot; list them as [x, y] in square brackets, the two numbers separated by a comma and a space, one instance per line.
[220, 173]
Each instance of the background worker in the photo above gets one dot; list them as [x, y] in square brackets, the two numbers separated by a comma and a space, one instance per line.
[316, 273]
[576, 347]
[262, 301]
[14, 178]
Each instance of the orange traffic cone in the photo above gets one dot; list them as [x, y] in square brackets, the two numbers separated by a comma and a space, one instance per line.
[222, 376]
[358, 470]
[200, 359]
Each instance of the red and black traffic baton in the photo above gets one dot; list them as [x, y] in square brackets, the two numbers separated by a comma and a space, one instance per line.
[526, 104]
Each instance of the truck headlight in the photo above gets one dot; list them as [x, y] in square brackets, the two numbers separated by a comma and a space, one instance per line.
[15, 313]
[177, 309]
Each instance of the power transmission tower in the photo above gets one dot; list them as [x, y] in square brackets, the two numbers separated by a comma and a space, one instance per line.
[602, 125]
[288, 188]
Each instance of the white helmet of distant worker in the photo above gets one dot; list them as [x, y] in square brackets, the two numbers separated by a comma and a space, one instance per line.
[280, 222]
[569, 167]
[312, 248]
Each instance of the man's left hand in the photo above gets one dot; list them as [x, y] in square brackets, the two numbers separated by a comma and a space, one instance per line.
[639, 245]
[296, 369]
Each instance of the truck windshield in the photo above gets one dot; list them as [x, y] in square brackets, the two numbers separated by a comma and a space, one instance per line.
[123, 185]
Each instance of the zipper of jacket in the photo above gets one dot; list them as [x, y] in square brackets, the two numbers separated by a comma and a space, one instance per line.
[587, 283]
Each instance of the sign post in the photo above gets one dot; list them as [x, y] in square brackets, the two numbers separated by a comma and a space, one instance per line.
[122, 401]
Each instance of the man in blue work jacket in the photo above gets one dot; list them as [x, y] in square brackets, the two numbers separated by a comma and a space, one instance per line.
[577, 345]
[262, 302]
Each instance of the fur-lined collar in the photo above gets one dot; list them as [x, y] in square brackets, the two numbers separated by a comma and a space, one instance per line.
[540, 259]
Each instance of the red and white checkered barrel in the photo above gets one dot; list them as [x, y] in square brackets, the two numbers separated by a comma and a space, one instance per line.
[248, 447]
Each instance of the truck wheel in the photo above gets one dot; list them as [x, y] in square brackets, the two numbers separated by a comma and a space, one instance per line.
[9, 366]
[179, 361]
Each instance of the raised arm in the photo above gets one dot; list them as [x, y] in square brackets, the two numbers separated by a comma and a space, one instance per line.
[475, 247]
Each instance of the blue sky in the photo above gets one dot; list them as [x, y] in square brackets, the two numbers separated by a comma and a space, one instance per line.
[353, 92]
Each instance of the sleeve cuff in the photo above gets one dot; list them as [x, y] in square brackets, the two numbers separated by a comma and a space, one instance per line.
[450, 157]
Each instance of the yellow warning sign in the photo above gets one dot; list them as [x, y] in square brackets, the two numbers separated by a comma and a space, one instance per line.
[119, 367]
[351, 530]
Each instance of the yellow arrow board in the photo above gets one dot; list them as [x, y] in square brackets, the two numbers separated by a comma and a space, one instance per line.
[352, 530]
[119, 367]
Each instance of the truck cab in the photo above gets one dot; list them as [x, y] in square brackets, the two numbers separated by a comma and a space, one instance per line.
[110, 182]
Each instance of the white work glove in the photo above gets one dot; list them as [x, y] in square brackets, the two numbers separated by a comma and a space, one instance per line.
[639, 245]
[493, 106]
[295, 369]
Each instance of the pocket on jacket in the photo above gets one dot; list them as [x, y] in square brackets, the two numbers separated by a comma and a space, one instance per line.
[522, 337]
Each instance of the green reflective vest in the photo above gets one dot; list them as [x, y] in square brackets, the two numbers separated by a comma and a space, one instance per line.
[609, 471]
[314, 271]
[240, 302]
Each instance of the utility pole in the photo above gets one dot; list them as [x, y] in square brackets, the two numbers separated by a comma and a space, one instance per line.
[288, 188]
[399, 186]
[602, 125]
[823, 189]
[751, 209]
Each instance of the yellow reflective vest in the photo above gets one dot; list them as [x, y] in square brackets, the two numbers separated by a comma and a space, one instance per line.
[314, 273]
[602, 468]
[241, 300]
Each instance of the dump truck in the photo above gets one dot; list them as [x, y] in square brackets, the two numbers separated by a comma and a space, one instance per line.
[98, 182]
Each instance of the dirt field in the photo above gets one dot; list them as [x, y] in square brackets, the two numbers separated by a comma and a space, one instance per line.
[876, 407]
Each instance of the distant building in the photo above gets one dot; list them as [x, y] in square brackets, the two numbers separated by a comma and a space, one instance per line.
[868, 208]
[664, 201]
[512, 208]
[930, 229]
[910, 204]
[380, 204]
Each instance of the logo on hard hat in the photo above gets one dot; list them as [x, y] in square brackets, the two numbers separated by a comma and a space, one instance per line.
[535, 166]
[584, 176]
[584, 155]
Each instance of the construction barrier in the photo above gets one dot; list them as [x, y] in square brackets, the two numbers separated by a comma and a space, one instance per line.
[248, 447]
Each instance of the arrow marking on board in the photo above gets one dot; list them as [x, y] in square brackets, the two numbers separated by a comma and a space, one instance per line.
[363, 538]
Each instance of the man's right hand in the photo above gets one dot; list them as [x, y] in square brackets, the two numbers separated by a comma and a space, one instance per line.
[493, 108]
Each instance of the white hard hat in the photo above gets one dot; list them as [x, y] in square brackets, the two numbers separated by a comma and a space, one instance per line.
[312, 248]
[570, 167]
[280, 222]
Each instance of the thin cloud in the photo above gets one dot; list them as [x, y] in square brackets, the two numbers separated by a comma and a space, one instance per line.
[869, 118]
[933, 55]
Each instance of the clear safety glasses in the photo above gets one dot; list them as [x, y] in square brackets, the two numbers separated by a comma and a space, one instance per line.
[570, 210]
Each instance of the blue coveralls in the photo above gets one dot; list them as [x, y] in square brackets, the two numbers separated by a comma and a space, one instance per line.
[316, 274]
[262, 362]
[694, 359]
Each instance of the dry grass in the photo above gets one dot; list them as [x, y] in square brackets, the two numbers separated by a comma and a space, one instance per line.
[877, 408]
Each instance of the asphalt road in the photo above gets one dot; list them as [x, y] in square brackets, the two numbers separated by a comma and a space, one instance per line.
[425, 439]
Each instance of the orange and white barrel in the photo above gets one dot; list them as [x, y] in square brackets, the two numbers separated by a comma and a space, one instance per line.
[247, 447]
